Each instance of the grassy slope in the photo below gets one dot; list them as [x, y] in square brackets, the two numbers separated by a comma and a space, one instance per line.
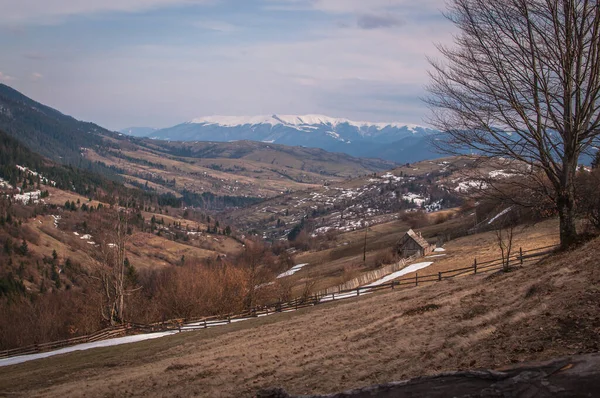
[327, 267]
[487, 321]
[145, 251]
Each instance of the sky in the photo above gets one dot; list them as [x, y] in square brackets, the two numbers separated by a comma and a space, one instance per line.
[158, 63]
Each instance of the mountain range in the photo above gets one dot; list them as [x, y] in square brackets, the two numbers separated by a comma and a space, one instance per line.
[396, 142]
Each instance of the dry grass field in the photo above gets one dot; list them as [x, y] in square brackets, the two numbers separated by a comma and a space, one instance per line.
[144, 250]
[233, 169]
[334, 266]
[59, 197]
[536, 312]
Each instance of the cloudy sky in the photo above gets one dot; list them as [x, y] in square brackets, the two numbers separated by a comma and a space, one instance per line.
[157, 63]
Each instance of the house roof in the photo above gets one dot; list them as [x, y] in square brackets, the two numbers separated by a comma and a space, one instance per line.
[417, 238]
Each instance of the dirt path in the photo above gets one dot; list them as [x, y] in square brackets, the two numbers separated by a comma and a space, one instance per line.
[539, 312]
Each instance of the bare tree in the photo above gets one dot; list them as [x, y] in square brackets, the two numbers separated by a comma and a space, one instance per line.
[111, 271]
[523, 82]
[504, 238]
[257, 262]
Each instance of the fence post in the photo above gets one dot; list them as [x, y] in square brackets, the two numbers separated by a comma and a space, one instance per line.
[475, 266]
[416, 279]
[358, 291]
[205, 325]
[439, 276]
[228, 319]
[393, 283]
[332, 296]
[521, 254]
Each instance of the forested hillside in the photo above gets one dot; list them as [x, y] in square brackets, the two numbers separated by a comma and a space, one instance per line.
[49, 132]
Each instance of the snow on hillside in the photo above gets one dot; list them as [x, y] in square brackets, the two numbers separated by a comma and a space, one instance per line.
[28, 197]
[417, 199]
[292, 270]
[408, 270]
[4, 184]
[83, 347]
[43, 179]
[497, 216]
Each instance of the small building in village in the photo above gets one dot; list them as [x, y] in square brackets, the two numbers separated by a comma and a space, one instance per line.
[413, 244]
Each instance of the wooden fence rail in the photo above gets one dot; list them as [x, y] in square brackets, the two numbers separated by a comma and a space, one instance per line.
[181, 324]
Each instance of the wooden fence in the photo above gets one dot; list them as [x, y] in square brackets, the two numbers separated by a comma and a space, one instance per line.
[368, 277]
[180, 325]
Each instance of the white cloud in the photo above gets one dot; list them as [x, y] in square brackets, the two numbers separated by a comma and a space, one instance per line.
[358, 6]
[375, 73]
[16, 12]
[35, 76]
[6, 78]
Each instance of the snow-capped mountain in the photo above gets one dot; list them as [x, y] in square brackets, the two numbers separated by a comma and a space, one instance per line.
[399, 142]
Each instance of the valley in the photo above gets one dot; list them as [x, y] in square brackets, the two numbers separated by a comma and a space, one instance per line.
[149, 232]
[300, 198]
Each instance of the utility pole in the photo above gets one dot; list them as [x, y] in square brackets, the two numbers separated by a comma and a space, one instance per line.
[365, 246]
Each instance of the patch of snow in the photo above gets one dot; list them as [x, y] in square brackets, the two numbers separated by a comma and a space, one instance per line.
[292, 270]
[500, 174]
[439, 249]
[391, 177]
[28, 197]
[85, 346]
[466, 186]
[503, 212]
[410, 269]
[43, 179]
[414, 198]
[5, 184]
[435, 206]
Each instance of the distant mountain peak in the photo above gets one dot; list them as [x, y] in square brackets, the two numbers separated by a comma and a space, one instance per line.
[395, 141]
[297, 121]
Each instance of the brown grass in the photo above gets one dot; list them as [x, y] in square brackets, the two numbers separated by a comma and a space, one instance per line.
[327, 266]
[486, 321]
[261, 178]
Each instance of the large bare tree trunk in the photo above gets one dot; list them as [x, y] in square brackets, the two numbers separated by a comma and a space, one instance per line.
[565, 203]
